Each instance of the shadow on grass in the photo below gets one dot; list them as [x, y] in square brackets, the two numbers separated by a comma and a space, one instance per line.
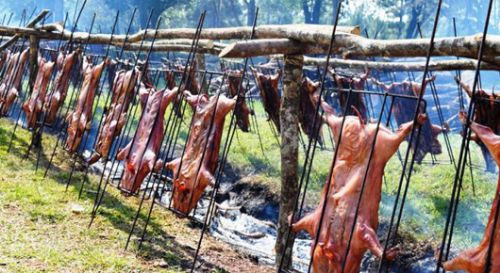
[160, 245]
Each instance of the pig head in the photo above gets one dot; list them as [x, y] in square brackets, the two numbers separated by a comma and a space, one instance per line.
[474, 260]
[55, 98]
[33, 106]
[241, 110]
[140, 154]
[80, 118]
[269, 94]
[345, 187]
[196, 172]
[115, 116]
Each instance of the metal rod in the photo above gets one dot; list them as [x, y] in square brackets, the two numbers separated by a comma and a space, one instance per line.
[412, 135]
[450, 220]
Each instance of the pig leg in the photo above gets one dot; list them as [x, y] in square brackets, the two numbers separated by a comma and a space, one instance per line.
[369, 237]
[489, 138]
[307, 223]
[123, 152]
[468, 261]
[207, 178]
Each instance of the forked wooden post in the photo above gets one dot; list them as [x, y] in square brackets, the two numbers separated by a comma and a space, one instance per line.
[34, 44]
[289, 118]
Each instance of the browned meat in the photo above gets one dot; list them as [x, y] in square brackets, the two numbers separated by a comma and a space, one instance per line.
[241, 110]
[57, 95]
[356, 100]
[197, 172]
[33, 106]
[191, 82]
[487, 113]
[346, 182]
[170, 79]
[12, 81]
[404, 111]
[4, 56]
[80, 119]
[269, 94]
[116, 115]
[474, 260]
[308, 109]
[141, 158]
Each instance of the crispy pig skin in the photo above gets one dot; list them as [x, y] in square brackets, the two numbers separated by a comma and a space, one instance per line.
[57, 94]
[269, 94]
[12, 82]
[195, 175]
[139, 155]
[80, 118]
[34, 105]
[345, 187]
[116, 115]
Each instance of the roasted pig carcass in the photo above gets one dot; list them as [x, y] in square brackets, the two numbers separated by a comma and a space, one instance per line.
[80, 119]
[268, 87]
[345, 187]
[4, 56]
[170, 79]
[308, 114]
[34, 105]
[474, 260]
[200, 159]
[12, 81]
[241, 110]
[141, 153]
[404, 111]
[115, 116]
[190, 82]
[57, 94]
[356, 98]
[487, 113]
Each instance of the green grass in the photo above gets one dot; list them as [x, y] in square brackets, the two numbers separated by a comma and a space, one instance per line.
[42, 232]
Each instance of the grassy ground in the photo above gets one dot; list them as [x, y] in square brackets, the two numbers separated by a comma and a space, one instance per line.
[43, 229]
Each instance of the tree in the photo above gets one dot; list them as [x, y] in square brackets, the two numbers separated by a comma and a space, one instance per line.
[312, 17]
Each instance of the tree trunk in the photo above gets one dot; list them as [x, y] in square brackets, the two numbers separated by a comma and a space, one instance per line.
[316, 14]
[251, 7]
[307, 13]
[289, 153]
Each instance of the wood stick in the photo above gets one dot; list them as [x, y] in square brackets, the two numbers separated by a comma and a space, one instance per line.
[356, 46]
[30, 24]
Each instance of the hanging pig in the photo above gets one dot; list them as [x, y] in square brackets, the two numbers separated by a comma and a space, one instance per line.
[356, 98]
[474, 260]
[12, 81]
[487, 113]
[55, 98]
[115, 116]
[345, 187]
[197, 171]
[269, 94]
[308, 114]
[241, 111]
[80, 119]
[404, 110]
[33, 106]
[140, 154]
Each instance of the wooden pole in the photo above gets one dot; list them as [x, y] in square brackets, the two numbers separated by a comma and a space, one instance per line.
[289, 119]
[30, 24]
[33, 58]
[355, 46]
